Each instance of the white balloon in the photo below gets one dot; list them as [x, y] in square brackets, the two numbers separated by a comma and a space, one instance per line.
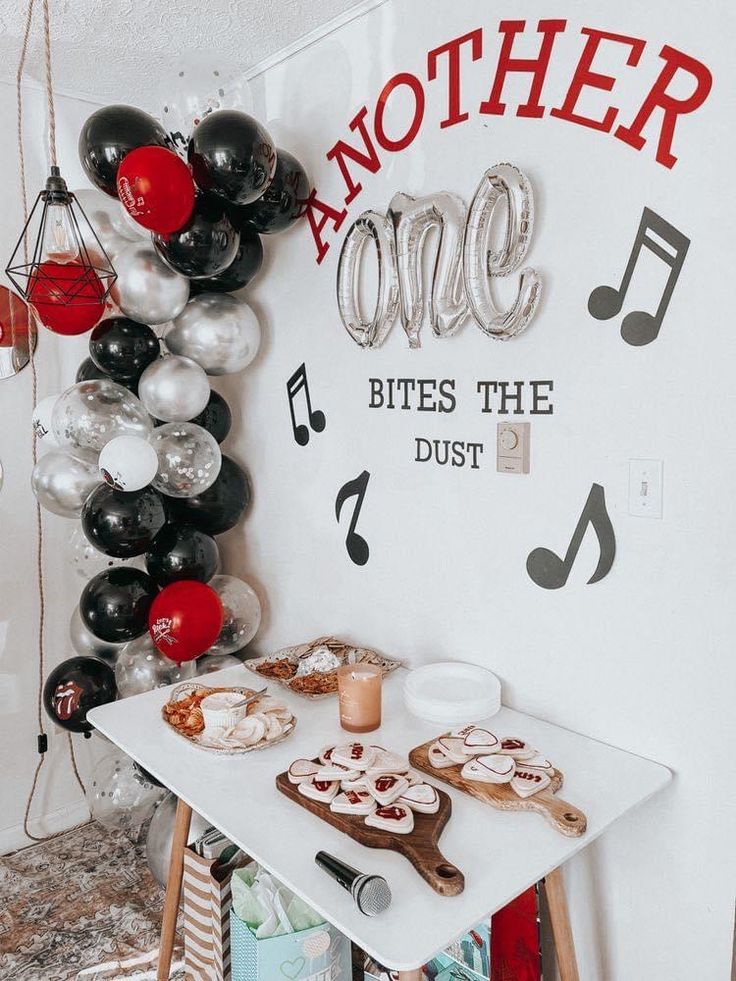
[217, 331]
[146, 289]
[174, 389]
[128, 463]
[42, 421]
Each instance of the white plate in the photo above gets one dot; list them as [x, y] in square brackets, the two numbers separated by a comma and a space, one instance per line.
[452, 693]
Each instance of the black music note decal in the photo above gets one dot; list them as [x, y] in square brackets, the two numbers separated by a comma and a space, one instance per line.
[317, 421]
[356, 545]
[549, 571]
[669, 245]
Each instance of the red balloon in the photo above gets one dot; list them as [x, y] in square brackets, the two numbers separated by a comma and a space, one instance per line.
[67, 296]
[156, 189]
[185, 619]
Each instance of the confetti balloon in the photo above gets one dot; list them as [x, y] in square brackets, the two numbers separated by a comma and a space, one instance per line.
[189, 459]
[91, 413]
[119, 796]
[241, 614]
[174, 389]
[140, 667]
[209, 663]
[87, 561]
[62, 483]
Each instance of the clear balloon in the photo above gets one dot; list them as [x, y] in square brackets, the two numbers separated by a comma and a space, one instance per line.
[91, 413]
[501, 183]
[87, 561]
[174, 389]
[103, 214]
[215, 662]
[241, 614]
[146, 289]
[376, 228]
[119, 796]
[62, 483]
[141, 667]
[42, 421]
[160, 836]
[217, 331]
[412, 219]
[85, 643]
[128, 463]
[189, 459]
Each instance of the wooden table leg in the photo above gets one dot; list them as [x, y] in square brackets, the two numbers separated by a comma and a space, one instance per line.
[417, 975]
[173, 889]
[561, 931]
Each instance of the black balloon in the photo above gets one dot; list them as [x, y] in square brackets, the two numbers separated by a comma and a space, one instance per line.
[284, 200]
[123, 348]
[248, 260]
[111, 133]
[216, 417]
[206, 245]
[74, 687]
[88, 370]
[232, 155]
[122, 523]
[219, 507]
[114, 604]
[182, 552]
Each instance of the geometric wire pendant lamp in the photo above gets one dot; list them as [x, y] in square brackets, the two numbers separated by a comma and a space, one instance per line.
[67, 265]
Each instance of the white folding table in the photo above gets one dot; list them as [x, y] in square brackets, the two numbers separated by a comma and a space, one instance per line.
[501, 853]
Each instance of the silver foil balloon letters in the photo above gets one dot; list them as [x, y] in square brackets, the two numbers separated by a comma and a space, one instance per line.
[465, 262]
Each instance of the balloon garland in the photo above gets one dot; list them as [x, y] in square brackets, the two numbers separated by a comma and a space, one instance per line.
[134, 444]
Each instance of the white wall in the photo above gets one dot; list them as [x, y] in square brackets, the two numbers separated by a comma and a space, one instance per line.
[642, 660]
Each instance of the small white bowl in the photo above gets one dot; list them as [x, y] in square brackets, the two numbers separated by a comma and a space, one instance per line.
[218, 711]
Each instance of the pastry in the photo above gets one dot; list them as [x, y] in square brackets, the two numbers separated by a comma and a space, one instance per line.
[321, 790]
[396, 818]
[354, 756]
[528, 782]
[386, 787]
[422, 797]
[353, 802]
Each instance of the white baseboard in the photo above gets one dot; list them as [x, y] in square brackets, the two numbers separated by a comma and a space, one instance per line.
[14, 837]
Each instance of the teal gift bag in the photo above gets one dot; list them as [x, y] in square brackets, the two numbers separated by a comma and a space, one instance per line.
[320, 953]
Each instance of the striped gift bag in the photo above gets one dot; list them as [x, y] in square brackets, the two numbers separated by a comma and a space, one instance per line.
[207, 902]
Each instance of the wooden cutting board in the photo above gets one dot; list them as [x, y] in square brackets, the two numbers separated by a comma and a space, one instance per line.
[565, 818]
[419, 847]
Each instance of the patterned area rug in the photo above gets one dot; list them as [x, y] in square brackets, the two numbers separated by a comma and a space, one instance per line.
[78, 906]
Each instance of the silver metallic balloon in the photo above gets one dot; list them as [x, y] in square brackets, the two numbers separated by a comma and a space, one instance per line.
[218, 332]
[62, 483]
[370, 226]
[503, 182]
[161, 834]
[120, 796]
[85, 643]
[141, 667]
[412, 219]
[91, 413]
[241, 614]
[146, 289]
[189, 459]
[87, 561]
[174, 389]
[216, 662]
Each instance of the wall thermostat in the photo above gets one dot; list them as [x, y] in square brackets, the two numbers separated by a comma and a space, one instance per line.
[512, 447]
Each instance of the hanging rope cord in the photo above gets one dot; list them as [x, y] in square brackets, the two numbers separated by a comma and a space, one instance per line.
[34, 398]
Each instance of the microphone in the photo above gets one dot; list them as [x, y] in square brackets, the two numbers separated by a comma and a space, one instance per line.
[370, 892]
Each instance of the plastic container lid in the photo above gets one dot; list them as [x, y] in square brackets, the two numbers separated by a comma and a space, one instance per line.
[452, 693]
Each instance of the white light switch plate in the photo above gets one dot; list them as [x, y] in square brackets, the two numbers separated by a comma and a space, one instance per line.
[645, 488]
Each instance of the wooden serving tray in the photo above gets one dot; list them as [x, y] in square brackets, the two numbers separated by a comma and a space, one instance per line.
[419, 847]
[565, 818]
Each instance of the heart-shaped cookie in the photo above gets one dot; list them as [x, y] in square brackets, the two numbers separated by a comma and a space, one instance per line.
[422, 797]
[354, 756]
[520, 750]
[333, 771]
[386, 787]
[454, 749]
[353, 802]
[480, 741]
[396, 818]
[301, 770]
[356, 783]
[321, 790]
[538, 763]
[326, 754]
[387, 762]
[528, 782]
[438, 757]
[493, 768]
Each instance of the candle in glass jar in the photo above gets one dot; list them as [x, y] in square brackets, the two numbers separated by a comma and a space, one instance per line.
[359, 687]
